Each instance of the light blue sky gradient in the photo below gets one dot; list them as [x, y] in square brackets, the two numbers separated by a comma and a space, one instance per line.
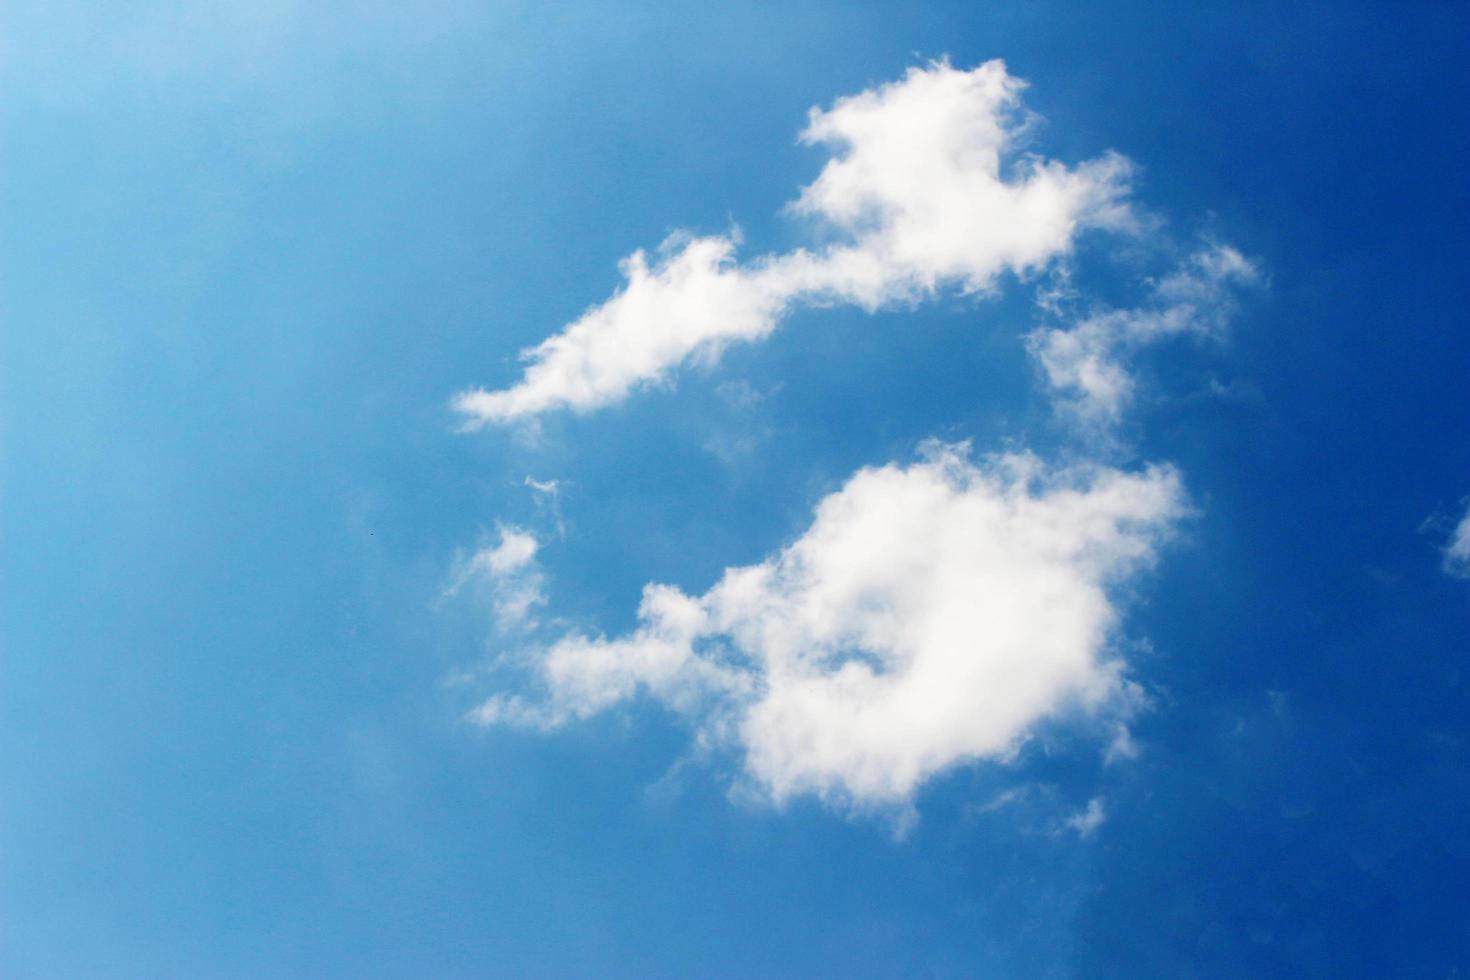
[248, 254]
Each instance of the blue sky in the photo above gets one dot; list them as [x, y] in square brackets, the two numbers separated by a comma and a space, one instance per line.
[1099, 601]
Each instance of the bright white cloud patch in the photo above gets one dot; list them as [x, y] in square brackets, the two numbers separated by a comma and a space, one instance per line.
[515, 581]
[1457, 551]
[925, 190]
[930, 615]
[1083, 363]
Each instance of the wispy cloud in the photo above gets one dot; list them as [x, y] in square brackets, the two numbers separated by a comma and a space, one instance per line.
[926, 190]
[1457, 550]
[547, 494]
[931, 614]
[1086, 821]
[1084, 363]
[509, 570]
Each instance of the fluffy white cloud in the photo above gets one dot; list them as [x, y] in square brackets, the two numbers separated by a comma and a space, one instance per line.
[1457, 551]
[516, 583]
[930, 615]
[1083, 362]
[926, 190]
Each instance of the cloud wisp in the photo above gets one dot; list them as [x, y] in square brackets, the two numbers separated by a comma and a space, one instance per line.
[1457, 549]
[512, 575]
[926, 190]
[1087, 820]
[1084, 364]
[931, 614]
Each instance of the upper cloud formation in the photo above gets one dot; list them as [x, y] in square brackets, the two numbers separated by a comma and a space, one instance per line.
[1083, 363]
[1457, 551]
[930, 615]
[925, 191]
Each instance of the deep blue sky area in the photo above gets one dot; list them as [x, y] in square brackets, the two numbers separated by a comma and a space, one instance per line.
[248, 253]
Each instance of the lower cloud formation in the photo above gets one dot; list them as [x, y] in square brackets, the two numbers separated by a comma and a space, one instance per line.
[931, 614]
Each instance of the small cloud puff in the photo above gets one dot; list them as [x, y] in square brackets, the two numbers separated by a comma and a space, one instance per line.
[1091, 817]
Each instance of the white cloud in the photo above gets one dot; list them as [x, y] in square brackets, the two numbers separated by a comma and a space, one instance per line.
[930, 615]
[1082, 362]
[925, 190]
[1457, 551]
[1091, 817]
[1000, 801]
[516, 583]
